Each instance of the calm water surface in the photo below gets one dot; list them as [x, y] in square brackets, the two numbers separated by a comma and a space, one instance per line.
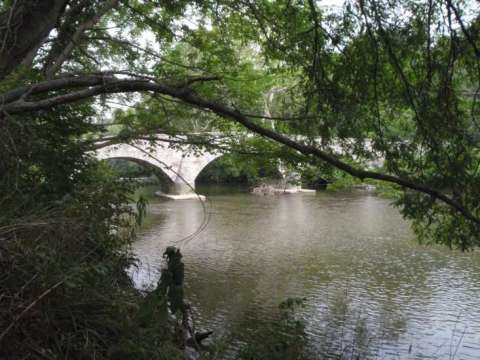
[367, 283]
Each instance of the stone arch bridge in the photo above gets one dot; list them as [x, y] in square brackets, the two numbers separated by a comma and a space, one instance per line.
[182, 168]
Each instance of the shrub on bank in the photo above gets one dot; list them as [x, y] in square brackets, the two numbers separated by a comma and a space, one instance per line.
[64, 292]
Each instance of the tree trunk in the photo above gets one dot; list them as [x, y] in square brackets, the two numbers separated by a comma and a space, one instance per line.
[24, 25]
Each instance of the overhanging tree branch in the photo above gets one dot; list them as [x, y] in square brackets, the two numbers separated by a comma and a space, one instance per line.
[113, 85]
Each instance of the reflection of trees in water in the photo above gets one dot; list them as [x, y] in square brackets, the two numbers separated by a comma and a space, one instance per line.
[342, 327]
[346, 315]
[388, 306]
[343, 331]
[364, 305]
[245, 264]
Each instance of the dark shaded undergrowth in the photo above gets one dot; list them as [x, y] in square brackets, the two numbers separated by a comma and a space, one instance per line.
[64, 292]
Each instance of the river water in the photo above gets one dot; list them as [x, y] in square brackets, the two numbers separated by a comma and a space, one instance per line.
[367, 285]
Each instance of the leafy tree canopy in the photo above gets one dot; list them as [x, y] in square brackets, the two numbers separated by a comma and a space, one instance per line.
[395, 79]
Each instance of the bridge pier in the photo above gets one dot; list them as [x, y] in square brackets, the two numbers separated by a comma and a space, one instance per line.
[180, 191]
[180, 188]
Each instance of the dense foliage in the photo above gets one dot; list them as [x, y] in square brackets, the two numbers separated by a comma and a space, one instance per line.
[397, 80]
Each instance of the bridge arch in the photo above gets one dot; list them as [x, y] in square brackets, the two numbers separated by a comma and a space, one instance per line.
[220, 172]
[180, 167]
[143, 162]
[150, 166]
